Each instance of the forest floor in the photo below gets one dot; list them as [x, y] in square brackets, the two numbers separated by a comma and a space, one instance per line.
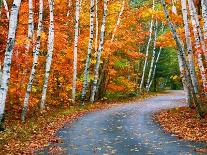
[184, 123]
[40, 130]
[124, 129]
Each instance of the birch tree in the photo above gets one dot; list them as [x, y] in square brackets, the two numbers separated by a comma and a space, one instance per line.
[6, 8]
[49, 54]
[35, 62]
[75, 51]
[112, 39]
[96, 16]
[30, 26]
[87, 65]
[147, 49]
[153, 56]
[204, 14]
[183, 64]
[199, 49]
[194, 15]
[96, 69]
[8, 56]
[189, 46]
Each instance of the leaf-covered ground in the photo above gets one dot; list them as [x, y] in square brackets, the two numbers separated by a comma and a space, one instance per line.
[184, 123]
[39, 130]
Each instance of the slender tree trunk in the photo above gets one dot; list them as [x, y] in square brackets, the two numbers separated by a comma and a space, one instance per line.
[157, 59]
[8, 56]
[96, 70]
[153, 56]
[155, 67]
[6, 8]
[49, 54]
[112, 39]
[69, 6]
[35, 61]
[189, 46]
[198, 48]
[96, 36]
[183, 64]
[1, 2]
[87, 65]
[75, 51]
[194, 15]
[204, 14]
[147, 51]
[30, 26]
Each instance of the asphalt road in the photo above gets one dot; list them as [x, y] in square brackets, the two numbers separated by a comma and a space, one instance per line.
[125, 130]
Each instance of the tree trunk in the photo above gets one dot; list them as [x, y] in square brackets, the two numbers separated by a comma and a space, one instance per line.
[75, 51]
[87, 65]
[96, 37]
[198, 48]
[6, 8]
[153, 56]
[194, 15]
[189, 46]
[35, 61]
[8, 56]
[147, 50]
[49, 54]
[96, 70]
[204, 14]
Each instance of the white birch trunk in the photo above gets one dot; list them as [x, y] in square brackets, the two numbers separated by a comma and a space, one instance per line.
[204, 14]
[147, 50]
[75, 51]
[189, 46]
[30, 26]
[194, 15]
[153, 56]
[118, 21]
[96, 70]
[197, 46]
[49, 54]
[6, 8]
[96, 37]
[112, 39]
[155, 67]
[8, 56]
[87, 65]
[69, 6]
[35, 62]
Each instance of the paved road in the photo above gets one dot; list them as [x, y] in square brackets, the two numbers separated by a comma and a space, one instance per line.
[125, 130]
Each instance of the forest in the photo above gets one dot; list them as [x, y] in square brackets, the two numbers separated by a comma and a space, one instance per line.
[71, 54]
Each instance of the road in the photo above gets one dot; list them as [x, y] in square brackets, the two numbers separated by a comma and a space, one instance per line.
[125, 130]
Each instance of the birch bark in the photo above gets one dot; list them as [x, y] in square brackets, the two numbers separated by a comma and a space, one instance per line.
[189, 46]
[6, 8]
[194, 15]
[8, 56]
[153, 56]
[96, 69]
[204, 14]
[87, 65]
[49, 54]
[147, 50]
[197, 46]
[96, 36]
[75, 51]
[35, 61]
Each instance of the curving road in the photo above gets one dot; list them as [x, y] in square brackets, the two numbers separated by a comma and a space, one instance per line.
[125, 130]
